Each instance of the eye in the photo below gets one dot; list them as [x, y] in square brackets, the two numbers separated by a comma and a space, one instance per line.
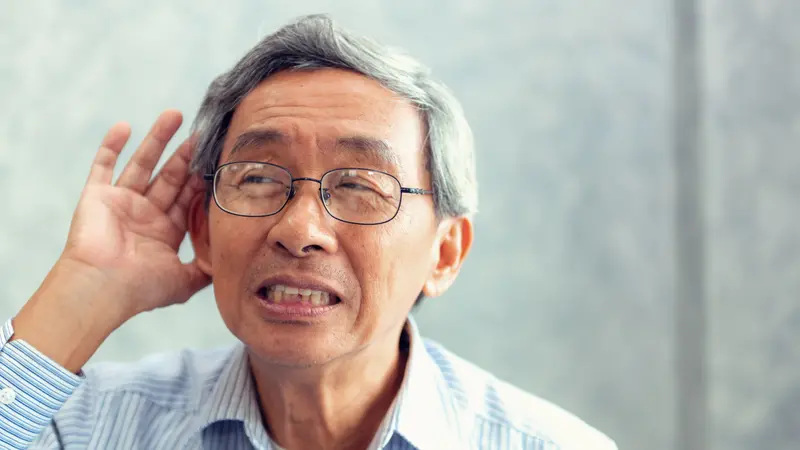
[257, 179]
[356, 185]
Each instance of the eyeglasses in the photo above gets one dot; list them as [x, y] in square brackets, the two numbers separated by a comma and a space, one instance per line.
[352, 195]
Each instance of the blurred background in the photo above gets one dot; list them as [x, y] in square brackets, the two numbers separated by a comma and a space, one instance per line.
[637, 258]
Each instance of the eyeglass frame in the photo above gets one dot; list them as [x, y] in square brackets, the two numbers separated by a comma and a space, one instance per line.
[212, 177]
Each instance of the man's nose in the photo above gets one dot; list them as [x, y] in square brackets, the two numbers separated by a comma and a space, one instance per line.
[303, 226]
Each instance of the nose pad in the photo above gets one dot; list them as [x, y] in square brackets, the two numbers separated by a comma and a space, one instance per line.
[325, 194]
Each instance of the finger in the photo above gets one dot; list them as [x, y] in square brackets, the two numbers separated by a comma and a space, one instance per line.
[136, 175]
[179, 210]
[170, 180]
[102, 170]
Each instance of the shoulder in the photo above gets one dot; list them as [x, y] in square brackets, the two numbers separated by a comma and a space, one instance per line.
[175, 380]
[494, 403]
[139, 403]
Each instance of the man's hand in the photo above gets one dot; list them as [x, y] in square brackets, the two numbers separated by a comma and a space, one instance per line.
[121, 256]
[129, 233]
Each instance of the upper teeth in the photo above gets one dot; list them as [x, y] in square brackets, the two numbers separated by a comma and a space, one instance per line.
[282, 293]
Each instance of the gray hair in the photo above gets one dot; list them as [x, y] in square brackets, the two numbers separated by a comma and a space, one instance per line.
[315, 42]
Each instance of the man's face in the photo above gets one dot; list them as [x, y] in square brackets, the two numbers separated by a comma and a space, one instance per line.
[374, 272]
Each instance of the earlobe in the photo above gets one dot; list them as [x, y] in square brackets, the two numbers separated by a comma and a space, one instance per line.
[454, 243]
[199, 234]
[430, 289]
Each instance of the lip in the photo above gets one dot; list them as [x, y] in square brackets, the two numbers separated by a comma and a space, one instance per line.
[288, 313]
[293, 312]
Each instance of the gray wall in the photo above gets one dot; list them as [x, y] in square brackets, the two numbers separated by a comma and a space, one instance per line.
[571, 289]
[752, 130]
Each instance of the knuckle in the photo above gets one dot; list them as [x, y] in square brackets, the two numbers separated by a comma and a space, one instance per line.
[173, 175]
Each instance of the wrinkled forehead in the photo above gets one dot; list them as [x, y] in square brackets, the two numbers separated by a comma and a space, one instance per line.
[327, 110]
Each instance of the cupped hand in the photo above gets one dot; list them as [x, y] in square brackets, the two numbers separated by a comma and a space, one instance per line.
[127, 233]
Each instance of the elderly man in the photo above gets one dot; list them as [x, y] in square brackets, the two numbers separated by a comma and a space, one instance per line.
[329, 185]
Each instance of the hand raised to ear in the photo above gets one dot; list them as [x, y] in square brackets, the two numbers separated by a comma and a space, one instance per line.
[121, 255]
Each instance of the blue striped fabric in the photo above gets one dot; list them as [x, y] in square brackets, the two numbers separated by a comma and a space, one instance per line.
[206, 399]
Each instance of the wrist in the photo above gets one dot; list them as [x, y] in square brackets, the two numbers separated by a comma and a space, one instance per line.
[87, 292]
[71, 314]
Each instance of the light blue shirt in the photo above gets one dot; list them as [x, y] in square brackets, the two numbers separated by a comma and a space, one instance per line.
[206, 400]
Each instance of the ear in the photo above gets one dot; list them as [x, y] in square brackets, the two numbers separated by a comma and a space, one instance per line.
[199, 233]
[454, 238]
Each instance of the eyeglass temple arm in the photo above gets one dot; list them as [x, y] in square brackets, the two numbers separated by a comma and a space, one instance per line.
[417, 191]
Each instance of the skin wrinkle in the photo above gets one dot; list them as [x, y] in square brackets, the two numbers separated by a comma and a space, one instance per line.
[328, 384]
[267, 142]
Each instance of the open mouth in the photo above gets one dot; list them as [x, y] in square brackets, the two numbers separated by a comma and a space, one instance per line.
[281, 294]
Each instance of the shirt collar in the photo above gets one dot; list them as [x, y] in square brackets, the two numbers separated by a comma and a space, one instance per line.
[233, 397]
[423, 412]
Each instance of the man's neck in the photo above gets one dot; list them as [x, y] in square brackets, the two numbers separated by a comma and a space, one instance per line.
[337, 406]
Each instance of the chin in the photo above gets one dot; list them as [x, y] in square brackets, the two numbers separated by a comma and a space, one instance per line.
[297, 348]
[291, 358]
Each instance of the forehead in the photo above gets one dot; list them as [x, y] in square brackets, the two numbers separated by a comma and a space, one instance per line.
[330, 111]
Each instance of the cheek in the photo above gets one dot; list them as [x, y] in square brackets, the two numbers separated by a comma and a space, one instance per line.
[365, 253]
[412, 259]
[391, 263]
[231, 245]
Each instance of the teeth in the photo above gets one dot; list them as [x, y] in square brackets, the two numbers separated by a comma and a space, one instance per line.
[289, 294]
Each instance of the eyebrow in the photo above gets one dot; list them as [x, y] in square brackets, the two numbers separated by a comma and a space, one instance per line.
[369, 145]
[258, 138]
[357, 143]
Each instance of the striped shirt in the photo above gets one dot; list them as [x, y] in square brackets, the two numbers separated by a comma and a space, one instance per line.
[207, 400]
